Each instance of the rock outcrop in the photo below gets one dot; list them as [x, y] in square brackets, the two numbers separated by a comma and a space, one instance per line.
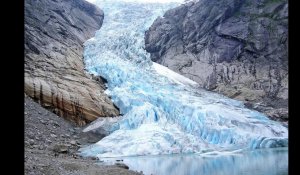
[234, 47]
[55, 31]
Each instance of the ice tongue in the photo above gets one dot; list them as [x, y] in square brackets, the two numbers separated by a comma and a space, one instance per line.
[162, 111]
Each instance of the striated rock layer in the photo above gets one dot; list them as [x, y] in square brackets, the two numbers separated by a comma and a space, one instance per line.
[234, 47]
[55, 31]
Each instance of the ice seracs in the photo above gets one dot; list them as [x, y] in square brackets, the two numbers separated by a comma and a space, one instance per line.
[162, 111]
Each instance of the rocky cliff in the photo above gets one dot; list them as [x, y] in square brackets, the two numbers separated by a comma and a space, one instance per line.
[234, 47]
[55, 31]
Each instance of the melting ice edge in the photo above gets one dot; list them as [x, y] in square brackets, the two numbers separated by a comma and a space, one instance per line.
[162, 111]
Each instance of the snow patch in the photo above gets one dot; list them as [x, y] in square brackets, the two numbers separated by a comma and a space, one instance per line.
[177, 78]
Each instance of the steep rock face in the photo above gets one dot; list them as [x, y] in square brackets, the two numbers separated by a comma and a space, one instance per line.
[234, 47]
[55, 31]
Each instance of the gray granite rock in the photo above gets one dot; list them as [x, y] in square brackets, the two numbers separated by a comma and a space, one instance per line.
[234, 47]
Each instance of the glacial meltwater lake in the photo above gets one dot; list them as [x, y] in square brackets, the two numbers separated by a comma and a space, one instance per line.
[256, 162]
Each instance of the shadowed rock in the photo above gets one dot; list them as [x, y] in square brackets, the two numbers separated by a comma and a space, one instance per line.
[234, 47]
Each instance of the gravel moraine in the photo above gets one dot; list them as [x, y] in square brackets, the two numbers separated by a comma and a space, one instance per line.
[51, 144]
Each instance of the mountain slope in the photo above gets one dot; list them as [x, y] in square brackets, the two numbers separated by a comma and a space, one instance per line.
[234, 47]
[55, 31]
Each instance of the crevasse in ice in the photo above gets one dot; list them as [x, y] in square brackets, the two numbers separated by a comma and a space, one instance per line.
[162, 111]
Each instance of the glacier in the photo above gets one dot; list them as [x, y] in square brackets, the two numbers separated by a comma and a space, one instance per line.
[163, 112]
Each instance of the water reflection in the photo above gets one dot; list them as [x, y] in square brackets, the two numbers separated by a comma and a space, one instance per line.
[258, 162]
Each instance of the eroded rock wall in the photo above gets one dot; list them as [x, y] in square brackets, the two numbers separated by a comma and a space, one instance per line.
[55, 31]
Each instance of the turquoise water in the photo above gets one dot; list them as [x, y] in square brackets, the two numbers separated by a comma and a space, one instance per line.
[257, 162]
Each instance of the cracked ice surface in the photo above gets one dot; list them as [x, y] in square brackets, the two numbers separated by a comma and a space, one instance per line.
[163, 112]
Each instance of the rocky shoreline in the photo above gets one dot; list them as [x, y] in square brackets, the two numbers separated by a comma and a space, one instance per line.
[51, 145]
[55, 80]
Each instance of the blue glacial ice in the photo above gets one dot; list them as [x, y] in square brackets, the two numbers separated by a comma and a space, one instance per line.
[162, 111]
